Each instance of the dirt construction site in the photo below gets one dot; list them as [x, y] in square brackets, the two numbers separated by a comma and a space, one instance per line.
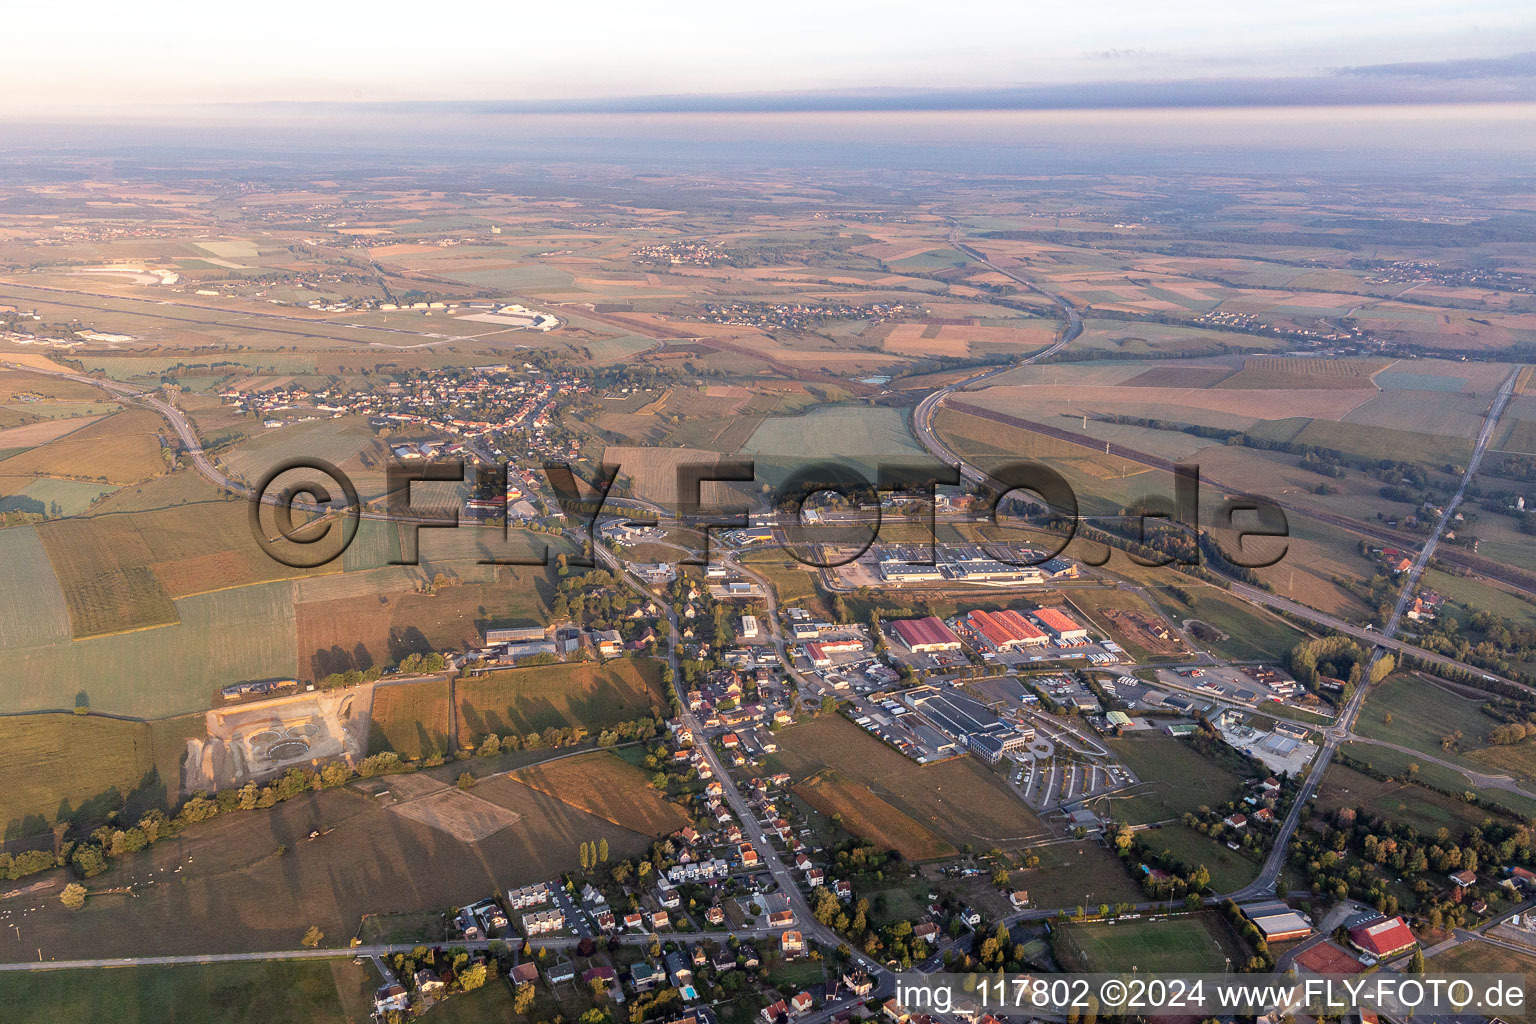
[259, 740]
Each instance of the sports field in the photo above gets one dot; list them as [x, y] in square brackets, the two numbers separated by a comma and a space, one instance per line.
[1193, 942]
[604, 784]
[869, 817]
[525, 700]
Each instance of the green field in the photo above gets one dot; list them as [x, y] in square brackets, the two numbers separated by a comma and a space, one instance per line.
[1478, 957]
[1174, 779]
[223, 637]
[233, 993]
[524, 700]
[1251, 633]
[32, 607]
[1424, 809]
[1229, 869]
[1195, 942]
[851, 435]
[1422, 713]
[1073, 873]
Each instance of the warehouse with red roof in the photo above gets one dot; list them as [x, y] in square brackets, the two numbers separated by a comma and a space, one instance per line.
[1383, 937]
[1060, 624]
[926, 634]
[1005, 630]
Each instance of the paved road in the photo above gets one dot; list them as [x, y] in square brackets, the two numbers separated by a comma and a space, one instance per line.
[1343, 727]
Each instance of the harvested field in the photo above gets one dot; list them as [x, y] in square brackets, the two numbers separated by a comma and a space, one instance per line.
[411, 719]
[960, 799]
[462, 815]
[1180, 377]
[869, 817]
[119, 449]
[41, 432]
[232, 871]
[383, 626]
[1263, 373]
[604, 784]
[524, 700]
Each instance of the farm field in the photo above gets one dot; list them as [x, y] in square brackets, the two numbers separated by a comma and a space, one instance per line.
[604, 784]
[33, 611]
[317, 991]
[381, 625]
[1192, 942]
[237, 874]
[526, 700]
[959, 799]
[219, 638]
[869, 817]
[120, 449]
[410, 718]
[46, 779]
[1175, 779]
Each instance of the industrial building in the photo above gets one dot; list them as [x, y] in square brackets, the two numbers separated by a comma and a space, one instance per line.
[514, 635]
[926, 634]
[1060, 625]
[1005, 630]
[1277, 922]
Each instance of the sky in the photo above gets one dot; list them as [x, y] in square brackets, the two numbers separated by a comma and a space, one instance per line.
[91, 56]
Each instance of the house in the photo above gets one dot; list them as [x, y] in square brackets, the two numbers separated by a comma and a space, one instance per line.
[526, 972]
[427, 982]
[1464, 879]
[391, 997]
[1236, 820]
[645, 975]
[562, 971]
[715, 914]
[723, 960]
[634, 922]
[926, 932]
[747, 955]
[660, 920]
[792, 944]
[858, 983]
[776, 1012]
[1523, 877]
[1019, 898]
[781, 918]
[604, 974]
[801, 1003]
[679, 971]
